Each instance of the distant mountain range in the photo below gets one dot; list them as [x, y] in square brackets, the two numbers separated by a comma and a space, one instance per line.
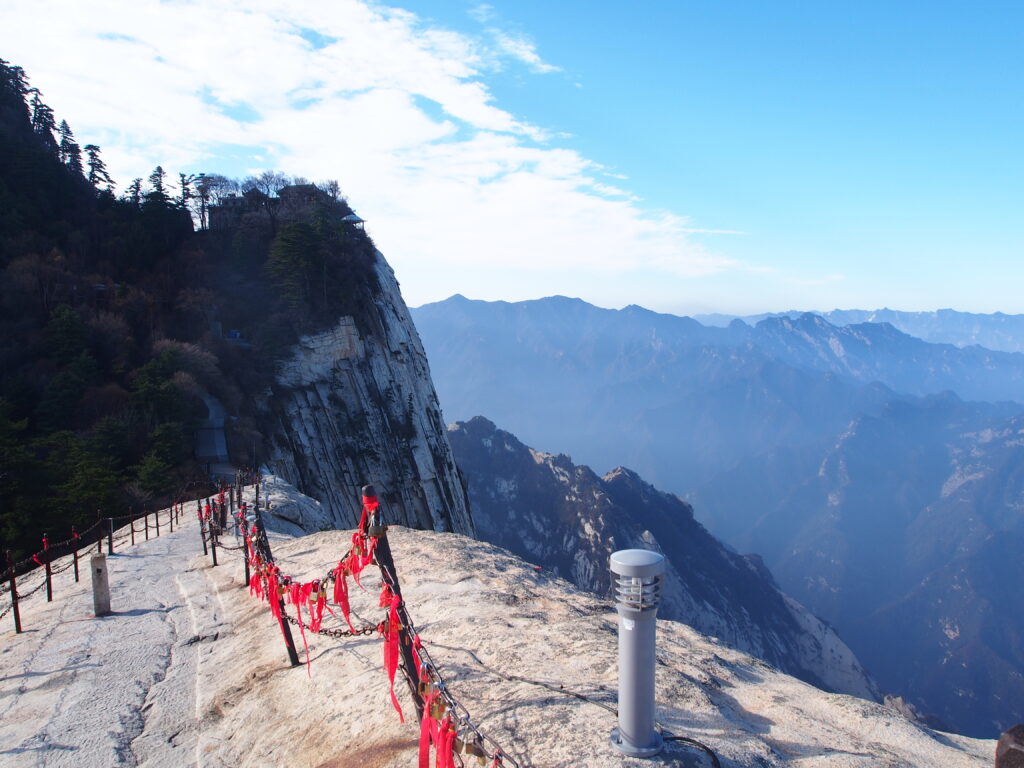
[905, 532]
[565, 518]
[672, 398]
[825, 449]
[996, 331]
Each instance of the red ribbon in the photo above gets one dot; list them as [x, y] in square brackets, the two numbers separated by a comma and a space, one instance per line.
[273, 594]
[316, 615]
[445, 745]
[299, 594]
[341, 591]
[391, 651]
[428, 730]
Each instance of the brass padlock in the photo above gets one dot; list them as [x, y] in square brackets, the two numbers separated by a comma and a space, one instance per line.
[377, 531]
[475, 747]
[437, 708]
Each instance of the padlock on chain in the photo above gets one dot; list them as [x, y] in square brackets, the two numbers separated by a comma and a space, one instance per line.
[475, 748]
[376, 528]
[388, 628]
[437, 708]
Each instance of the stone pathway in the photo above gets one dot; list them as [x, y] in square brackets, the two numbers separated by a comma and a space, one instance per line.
[121, 690]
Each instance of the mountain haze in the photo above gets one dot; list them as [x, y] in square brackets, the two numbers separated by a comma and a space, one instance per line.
[847, 457]
[568, 520]
[997, 331]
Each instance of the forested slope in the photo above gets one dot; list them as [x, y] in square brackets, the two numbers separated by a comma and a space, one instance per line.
[115, 314]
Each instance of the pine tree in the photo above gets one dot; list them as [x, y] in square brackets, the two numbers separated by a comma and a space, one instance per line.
[153, 474]
[43, 121]
[134, 193]
[13, 79]
[68, 150]
[186, 181]
[158, 190]
[97, 168]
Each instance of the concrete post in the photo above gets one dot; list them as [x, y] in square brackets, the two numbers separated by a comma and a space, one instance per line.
[100, 585]
[639, 577]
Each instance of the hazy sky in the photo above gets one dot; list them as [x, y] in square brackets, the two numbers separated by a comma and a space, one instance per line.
[685, 156]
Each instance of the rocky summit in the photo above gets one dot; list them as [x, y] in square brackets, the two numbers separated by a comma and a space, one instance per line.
[194, 672]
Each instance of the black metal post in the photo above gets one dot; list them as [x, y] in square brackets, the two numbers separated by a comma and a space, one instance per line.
[170, 518]
[74, 550]
[289, 642]
[14, 593]
[156, 516]
[49, 572]
[386, 562]
[213, 541]
[110, 535]
[132, 521]
[145, 518]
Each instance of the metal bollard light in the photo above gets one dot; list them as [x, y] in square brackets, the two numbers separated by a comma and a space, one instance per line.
[639, 578]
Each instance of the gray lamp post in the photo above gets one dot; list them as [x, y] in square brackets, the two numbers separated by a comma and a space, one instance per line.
[639, 578]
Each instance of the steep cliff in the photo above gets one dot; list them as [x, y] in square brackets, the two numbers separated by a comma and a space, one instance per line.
[354, 405]
[567, 519]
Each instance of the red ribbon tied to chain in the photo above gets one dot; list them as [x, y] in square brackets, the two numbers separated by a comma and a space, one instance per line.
[446, 744]
[299, 596]
[390, 600]
[428, 730]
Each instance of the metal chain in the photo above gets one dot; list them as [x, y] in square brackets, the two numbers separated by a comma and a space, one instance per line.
[339, 633]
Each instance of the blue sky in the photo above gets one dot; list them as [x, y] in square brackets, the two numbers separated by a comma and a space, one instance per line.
[685, 156]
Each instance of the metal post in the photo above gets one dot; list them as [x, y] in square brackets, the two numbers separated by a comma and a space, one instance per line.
[170, 518]
[49, 572]
[202, 534]
[145, 517]
[289, 642]
[640, 575]
[74, 550]
[110, 535]
[14, 593]
[213, 540]
[386, 561]
[132, 521]
[245, 561]
[156, 516]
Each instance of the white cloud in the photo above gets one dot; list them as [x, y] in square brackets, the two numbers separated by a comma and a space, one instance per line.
[397, 110]
[523, 49]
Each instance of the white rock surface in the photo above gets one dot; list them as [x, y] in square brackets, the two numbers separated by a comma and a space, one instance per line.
[355, 405]
[191, 671]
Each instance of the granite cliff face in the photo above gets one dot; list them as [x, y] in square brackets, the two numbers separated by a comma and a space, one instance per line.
[567, 519]
[354, 405]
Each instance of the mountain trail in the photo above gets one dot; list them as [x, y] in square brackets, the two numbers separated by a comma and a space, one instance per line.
[123, 689]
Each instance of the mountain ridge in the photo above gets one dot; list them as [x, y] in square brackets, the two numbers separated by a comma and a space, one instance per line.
[568, 520]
